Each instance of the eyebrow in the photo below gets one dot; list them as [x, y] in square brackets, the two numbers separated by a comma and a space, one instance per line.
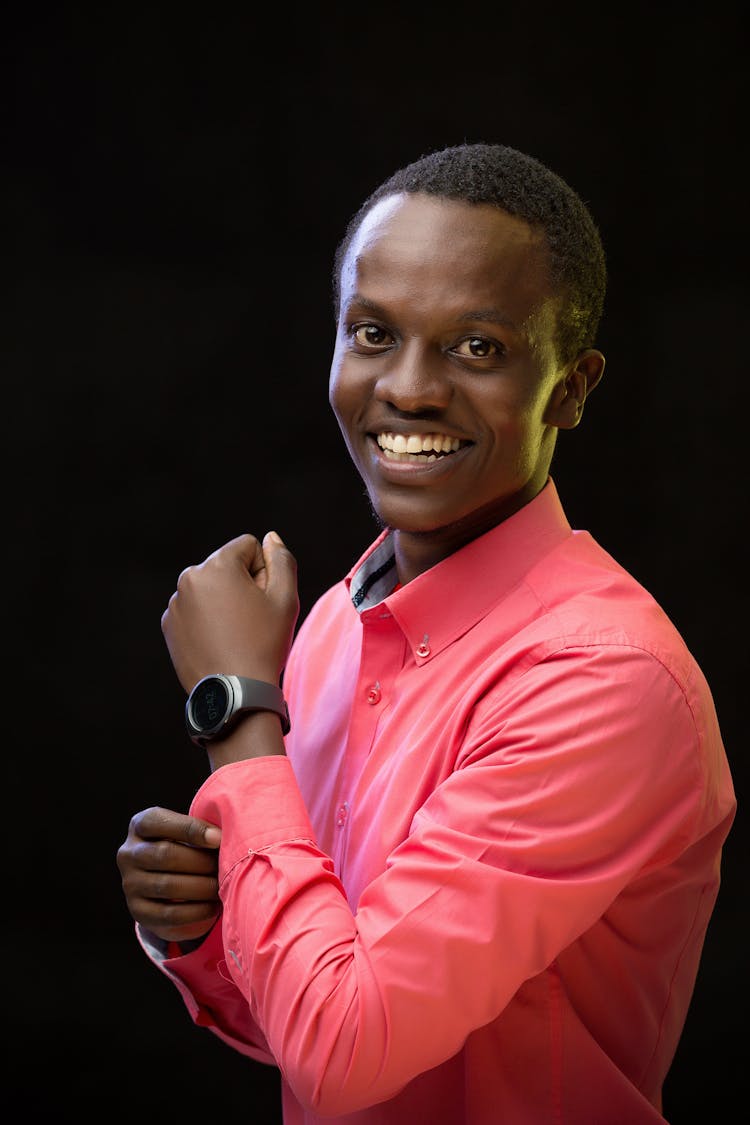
[494, 316]
[490, 314]
[365, 303]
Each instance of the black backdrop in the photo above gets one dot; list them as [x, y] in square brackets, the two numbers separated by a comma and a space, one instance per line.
[175, 190]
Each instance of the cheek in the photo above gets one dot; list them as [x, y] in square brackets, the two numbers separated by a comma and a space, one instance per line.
[346, 403]
[336, 385]
[518, 406]
[347, 390]
[515, 419]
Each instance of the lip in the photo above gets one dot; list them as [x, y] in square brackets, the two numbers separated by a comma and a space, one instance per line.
[411, 471]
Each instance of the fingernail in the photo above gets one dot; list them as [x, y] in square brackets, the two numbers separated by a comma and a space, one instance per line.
[212, 837]
[272, 535]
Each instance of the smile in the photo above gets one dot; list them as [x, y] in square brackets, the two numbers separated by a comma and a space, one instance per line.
[420, 448]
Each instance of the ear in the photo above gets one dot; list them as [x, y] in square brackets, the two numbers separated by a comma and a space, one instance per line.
[578, 380]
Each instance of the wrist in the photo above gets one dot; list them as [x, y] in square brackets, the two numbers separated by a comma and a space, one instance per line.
[218, 703]
[256, 735]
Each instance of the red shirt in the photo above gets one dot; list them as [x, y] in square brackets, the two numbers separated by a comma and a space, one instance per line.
[477, 889]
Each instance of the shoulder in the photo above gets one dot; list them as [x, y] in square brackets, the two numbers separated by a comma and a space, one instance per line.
[587, 599]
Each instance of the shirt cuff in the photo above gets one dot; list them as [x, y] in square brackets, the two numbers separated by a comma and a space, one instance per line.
[256, 803]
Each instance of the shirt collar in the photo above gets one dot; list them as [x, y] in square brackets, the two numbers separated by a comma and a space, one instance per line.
[445, 601]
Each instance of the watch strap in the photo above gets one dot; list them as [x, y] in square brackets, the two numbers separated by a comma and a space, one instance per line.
[258, 695]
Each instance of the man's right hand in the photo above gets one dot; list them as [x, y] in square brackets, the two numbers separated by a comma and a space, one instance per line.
[169, 866]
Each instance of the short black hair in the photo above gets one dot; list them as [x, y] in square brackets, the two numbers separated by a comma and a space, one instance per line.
[522, 186]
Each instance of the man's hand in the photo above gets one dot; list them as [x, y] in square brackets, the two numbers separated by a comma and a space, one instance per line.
[234, 613]
[169, 867]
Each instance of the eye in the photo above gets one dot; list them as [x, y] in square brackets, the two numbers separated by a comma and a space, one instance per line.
[370, 336]
[478, 347]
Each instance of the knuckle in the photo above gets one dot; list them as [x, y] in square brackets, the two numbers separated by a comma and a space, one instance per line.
[135, 828]
[147, 821]
[184, 579]
[123, 858]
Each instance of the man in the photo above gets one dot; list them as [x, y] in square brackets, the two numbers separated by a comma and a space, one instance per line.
[471, 883]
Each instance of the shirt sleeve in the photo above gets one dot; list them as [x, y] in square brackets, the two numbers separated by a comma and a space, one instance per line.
[209, 993]
[568, 787]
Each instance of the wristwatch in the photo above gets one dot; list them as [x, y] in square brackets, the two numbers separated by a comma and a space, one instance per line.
[217, 702]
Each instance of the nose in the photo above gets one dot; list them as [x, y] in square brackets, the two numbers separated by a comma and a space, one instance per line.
[413, 381]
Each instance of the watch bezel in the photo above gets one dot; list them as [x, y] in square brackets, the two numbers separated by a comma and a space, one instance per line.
[231, 707]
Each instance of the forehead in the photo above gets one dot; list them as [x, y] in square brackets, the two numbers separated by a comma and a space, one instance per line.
[430, 249]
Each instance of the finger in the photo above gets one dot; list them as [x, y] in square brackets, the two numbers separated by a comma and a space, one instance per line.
[164, 855]
[281, 573]
[173, 919]
[164, 824]
[246, 551]
[161, 886]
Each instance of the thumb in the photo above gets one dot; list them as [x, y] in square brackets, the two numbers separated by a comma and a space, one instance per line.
[281, 573]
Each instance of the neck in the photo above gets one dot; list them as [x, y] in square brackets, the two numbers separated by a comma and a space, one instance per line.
[418, 551]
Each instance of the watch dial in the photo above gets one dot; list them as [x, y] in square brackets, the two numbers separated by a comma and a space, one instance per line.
[209, 704]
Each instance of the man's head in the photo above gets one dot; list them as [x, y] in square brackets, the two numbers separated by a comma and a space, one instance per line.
[450, 377]
[524, 187]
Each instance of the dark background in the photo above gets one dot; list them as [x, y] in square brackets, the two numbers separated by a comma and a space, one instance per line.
[175, 191]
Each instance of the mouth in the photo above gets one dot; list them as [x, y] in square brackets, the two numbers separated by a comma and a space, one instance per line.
[418, 449]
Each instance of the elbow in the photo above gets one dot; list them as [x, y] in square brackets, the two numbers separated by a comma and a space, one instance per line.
[336, 1068]
[330, 1099]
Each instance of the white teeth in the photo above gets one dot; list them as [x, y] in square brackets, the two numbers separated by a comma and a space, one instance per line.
[416, 444]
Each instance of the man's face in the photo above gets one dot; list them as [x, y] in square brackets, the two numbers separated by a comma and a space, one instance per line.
[444, 378]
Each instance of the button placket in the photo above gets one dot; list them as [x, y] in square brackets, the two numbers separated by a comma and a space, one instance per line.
[342, 814]
[383, 650]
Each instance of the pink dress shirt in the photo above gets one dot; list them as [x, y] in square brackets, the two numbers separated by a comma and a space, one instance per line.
[477, 888]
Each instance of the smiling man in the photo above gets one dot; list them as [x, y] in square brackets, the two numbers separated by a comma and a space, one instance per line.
[460, 842]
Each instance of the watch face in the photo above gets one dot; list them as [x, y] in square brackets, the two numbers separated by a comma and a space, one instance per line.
[209, 705]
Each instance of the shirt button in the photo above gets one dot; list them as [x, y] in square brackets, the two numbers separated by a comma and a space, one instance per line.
[374, 694]
[342, 812]
[423, 649]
